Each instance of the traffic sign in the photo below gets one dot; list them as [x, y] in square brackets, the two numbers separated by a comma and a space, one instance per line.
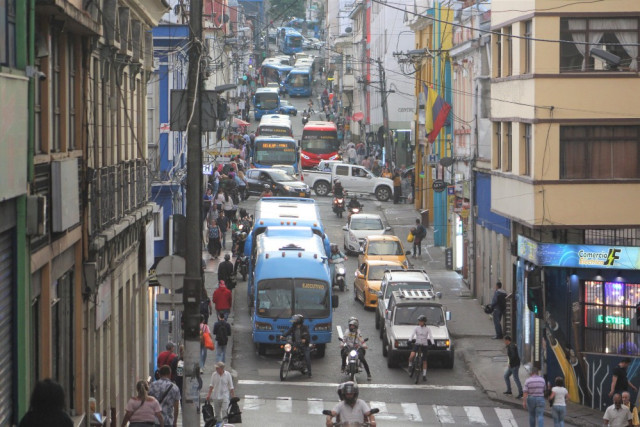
[170, 272]
[432, 159]
[169, 302]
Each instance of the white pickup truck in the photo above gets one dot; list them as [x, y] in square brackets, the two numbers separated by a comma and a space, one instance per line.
[354, 179]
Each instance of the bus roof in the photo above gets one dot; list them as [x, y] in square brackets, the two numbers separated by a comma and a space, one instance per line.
[320, 125]
[275, 119]
[297, 210]
[267, 90]
[297, 244]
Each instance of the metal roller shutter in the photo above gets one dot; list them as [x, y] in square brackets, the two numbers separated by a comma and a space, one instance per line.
[6, 322]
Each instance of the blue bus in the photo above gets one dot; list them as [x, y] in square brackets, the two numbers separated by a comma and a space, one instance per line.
[289, 40]
[266, 101]
[275, 150]
[273, 70]
[292, 277]
[299, 81]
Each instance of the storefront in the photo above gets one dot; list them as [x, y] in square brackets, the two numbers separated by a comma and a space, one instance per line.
[579, 313]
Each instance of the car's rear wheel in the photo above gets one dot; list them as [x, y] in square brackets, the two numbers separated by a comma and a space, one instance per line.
[383, 193]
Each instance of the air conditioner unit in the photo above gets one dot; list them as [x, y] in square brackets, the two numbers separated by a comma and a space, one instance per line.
[36, 215]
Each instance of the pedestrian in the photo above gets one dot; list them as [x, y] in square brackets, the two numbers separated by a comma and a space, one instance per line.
[222, 298]
[227, 201]
[214, 239]
[513, 366]
[205, 305]
[204, 329]
[225, 271]
[617, 415]
[207, 202]
[177, 368]
[351, 153]
[376, 169]
[559, 406]
[221, 330]
[419, 235]
[366, 163]
[619, 380]
[143, 409]
[397, 187]
[533, 400]
[499, 306]
[47, 406]
[223, 224]
[168, 396]
[626, 400]
[167, 356]
[221, 389]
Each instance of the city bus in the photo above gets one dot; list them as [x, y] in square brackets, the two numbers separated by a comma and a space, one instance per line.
[266, 101]
[282, 211]
[289, 41]
[291, 276]
[273, 70]
[275, 125]
[275, 150]
[319, 142]
[299, 81]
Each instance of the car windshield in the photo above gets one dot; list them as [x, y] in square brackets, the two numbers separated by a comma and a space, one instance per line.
[366, 224]
[281, 176]
[286, 168]
[401, 286]
[284, 103]
[386, 247]
[376, 272]
[409, 315]
[280, 298]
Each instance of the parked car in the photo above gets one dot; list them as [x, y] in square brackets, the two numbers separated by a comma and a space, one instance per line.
[288, 108]
[358, 227]
[367, 282]
[282, 184]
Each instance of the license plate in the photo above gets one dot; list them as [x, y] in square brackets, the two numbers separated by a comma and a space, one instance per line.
[302, 194]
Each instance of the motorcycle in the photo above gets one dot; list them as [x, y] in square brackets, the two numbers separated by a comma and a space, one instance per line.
[305, 118]
[353, 365]
[339, 273]
[328, 412]
[292, 359]
[338, 206]
[244, 265]
[356, 209]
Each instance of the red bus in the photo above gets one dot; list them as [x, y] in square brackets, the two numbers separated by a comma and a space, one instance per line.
[319, 142]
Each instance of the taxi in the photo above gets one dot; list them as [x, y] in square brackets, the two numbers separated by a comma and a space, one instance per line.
[383, 248]
[367, 282]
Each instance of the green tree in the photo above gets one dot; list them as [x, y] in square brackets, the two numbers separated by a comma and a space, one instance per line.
[284, 10]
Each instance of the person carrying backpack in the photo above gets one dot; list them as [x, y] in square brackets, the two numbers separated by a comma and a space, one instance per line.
[499, 306]
[421, 233]
[222, 330]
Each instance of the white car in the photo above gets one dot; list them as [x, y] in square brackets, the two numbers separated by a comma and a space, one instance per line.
[360, 226]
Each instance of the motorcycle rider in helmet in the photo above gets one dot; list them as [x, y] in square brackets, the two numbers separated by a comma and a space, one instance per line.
[338, 190]
[267, 191]
[300, 334]
[351, 409]
[336, 254]
[354, 202]
[353, 340]
[239, 250]
[422, 335]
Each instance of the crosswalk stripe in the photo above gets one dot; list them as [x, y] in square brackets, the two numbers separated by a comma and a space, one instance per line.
[372, 386]
[443, 414]
[475, 415]
[412, 412]
[284, 404]
[315, 406]
[506, 417]
[251, 403]
[383, 414]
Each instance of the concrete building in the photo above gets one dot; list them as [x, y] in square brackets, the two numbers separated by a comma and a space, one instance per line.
[565, 171]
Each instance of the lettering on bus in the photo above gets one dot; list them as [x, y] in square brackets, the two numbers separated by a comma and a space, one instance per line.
[283, 131]
[319, 136]
[276, 145]
[312, 286]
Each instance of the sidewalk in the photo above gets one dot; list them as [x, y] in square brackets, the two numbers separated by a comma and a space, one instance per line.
[470, 327]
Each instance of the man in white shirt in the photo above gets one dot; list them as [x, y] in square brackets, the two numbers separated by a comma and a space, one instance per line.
[617, 415]
[222, 389]
[351, 409]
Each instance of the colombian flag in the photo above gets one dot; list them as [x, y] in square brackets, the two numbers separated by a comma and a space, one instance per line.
[436, 112]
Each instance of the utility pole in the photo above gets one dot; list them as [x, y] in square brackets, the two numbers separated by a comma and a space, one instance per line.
[385, 112]
[193, 284]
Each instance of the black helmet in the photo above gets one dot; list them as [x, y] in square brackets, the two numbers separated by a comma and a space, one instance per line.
[297, 319]
[334, 248]
[353, 322]
[422, 318]
[350, 388]
[227, 257]
[341, 391]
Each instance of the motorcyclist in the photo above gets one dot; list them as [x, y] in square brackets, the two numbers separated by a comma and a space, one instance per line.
[351, 409]
[239, 250]
[338, 190]
[353, 340]
[422, 335]
[299, 332]
[267, 191]
[336, 254]
[354, 202]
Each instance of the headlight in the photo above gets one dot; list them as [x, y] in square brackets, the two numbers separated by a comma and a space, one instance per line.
[341, 271]
[373, 291]
[304, 156]
[322, 327]
[401, 343]
[263, 326]
[335, 157]
[353, 353]
[353, 238]
[442, 343]
[286, 188]
[406, 263]
[287, 347]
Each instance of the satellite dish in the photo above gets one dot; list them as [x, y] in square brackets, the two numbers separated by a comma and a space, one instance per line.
[446, 161]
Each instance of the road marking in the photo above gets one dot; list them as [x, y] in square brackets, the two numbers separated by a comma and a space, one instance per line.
[315, 405]
[475, 415]
[284, 404]
[386, 386]
[411, 411]
[251, 403]
[443, 414]
[383, 414]
[506, 417]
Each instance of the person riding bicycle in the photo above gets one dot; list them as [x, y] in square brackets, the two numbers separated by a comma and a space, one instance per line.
[422, 336]
[299, 332]
[353, 340]
[338, 189]
[351, 409]
[336, 254]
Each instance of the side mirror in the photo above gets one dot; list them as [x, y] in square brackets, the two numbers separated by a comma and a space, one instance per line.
[379, 293]
[345, 228]
[439, 295]
[447, 315]
[407, 253]
[359, 274]
[361, 251]
[334, 301]
[387, 228]
[369, 177]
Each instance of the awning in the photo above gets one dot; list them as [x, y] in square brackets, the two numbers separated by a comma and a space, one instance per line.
[358, 116]
[240, 122]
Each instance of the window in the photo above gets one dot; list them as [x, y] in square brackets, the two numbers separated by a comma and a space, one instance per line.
[71, 94]
[599, 152]
[158, 222]
[498, 51]
[342, 170]
[56, 110]
[528, 47]
[525, 149]
[615, 35]
[348, 64]
[37, 109]
[8, 32]
[497, 145]
[508, 51]
[62, 334]
[609, 317]
[508, 146]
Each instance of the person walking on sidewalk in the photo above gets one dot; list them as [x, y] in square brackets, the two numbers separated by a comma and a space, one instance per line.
[141, 410]
[558, 397]
[419, 235]
[214, 239]
[177, 368]
[222, 330]
[619, 381]
[626, 401]
[499, 306]
[221, 389]
[168, 395]
[617, 415]
[204, 329]
[397, 187]
[534, 400]
[513, 366]
[225, 271]
[222, 298]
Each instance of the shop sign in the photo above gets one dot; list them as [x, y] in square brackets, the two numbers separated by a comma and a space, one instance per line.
[613, 320]
[438, 185]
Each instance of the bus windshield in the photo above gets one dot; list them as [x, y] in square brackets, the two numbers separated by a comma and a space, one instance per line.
[320, 142]
[280, 298]
[266, 101]
[294, 41]
[272, 156]
[298, 80]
